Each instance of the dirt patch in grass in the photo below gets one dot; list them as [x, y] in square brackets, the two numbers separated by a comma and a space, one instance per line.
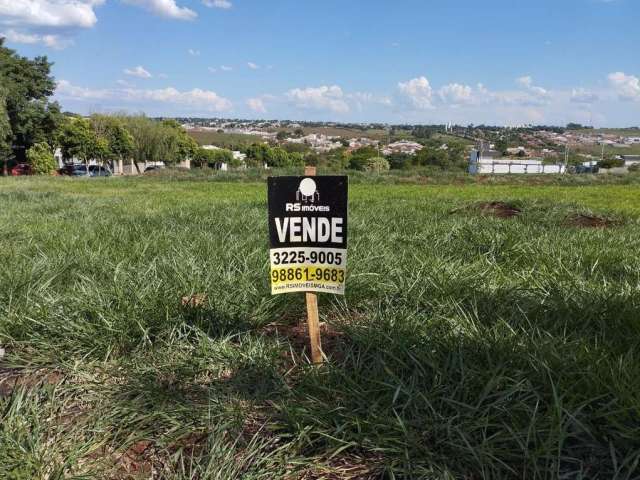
[12, 378]
[347, 467]
[194, 301]
[590, 221]
[496, 209]
[298, 337]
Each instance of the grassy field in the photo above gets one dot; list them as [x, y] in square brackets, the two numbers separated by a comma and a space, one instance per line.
[227, 140]
[622, 132]
[141, 340]
[596, 150]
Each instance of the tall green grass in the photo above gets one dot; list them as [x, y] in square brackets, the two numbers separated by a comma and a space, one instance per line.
[467, 346]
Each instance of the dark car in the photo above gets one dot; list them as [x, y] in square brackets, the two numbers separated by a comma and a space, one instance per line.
[153, 168]
[99, 171]
[74, 170]
[22, 169]
[587, 169]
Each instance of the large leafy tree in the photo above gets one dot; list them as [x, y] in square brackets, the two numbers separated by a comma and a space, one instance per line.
[178, 144]
[148, 140]
[114, 141]
[41, 159]
[5, 132]
[78, 139]
[28, 84]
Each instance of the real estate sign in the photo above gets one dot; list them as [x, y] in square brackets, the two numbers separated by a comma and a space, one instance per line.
[308, 233]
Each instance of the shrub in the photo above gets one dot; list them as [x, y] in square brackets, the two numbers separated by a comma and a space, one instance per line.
[377, 164]
[41, 159]
[611, 163]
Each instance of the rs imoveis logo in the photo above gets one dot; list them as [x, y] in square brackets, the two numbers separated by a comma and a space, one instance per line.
[306, 194]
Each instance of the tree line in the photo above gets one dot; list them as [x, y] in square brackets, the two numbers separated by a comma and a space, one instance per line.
[33, 127]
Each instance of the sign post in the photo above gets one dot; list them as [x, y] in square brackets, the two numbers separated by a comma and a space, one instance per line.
[313, 318]
[308, 239]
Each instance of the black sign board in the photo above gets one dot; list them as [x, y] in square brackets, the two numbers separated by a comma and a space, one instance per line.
[308, 233]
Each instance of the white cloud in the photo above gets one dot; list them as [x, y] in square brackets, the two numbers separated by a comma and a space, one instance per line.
[257, 105]
[50, 40]
[193, 53]
[362, 99]
[418, 91]
[626, 86]
[527, 83]
[196, 99]
[319, 98]
[138, 71]
[252, 66]
[225, 68]
[165, 8]
[455, 93]
[49, 13]
[580, 95]
[224, 4]
[49, 22]
[65, 89]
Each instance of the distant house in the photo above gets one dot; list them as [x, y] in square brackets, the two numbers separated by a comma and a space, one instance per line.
[630, 160]
[402, 146]
[355, 143]
[516, 151]
[481, 164]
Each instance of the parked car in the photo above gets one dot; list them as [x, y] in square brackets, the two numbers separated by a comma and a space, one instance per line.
[21, 169]
[99, 171]
[587, 169]
[153, 168]
[73, 169]
[80, 170]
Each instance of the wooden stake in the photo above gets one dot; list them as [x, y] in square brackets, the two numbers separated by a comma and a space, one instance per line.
[313, 320]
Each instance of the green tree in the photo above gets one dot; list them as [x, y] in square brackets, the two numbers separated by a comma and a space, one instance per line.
[610, 161]
[203, 157]
[148, 140]
[281, 135]
[296, 159]
[360, 157]
[5, 133]
[377, 165]
[433, 157]
[257, 152]
[296, 147]
[28, 86]
[120, 140]
[399, 160]
[225, 156]
[111, 129]
[41, 159]
[277, 157]
[78, 139]
[178, 144]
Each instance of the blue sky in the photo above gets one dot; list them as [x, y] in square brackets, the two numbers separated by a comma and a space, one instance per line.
[499, 62]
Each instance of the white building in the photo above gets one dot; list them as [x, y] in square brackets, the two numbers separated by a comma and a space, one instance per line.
[402, 146]
[479, 164]
[318, 142]
[355, 143]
